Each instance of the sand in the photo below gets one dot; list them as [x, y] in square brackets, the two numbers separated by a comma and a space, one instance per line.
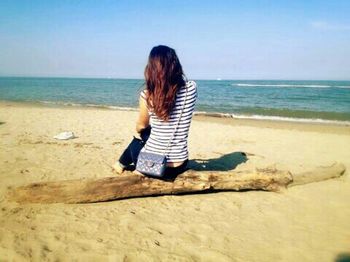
[302, 223]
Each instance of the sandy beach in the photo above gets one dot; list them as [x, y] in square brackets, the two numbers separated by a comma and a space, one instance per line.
[303, 223]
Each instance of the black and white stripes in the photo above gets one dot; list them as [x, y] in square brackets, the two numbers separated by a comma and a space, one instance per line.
[162, 131]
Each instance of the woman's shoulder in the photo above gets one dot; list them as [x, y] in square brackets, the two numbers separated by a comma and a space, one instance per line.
[191, 83]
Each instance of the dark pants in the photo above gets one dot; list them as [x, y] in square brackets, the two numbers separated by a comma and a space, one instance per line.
[131, 153]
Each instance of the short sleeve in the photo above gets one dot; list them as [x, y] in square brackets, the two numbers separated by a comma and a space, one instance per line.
[143, 95]
[192, 87]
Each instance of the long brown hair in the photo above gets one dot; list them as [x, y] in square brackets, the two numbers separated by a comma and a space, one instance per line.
[164, 76]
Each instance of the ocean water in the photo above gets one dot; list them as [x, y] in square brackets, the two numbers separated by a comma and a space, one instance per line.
[308, 101]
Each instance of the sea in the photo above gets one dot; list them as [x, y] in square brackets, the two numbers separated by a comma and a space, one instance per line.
[280, 100]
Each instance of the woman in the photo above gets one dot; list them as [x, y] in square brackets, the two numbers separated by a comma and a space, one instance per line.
[166, 105]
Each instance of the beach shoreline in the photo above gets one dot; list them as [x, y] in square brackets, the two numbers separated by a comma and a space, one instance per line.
[227, 119]
[302, 223]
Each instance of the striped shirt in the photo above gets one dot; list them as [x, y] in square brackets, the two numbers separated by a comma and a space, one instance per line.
[162, 131]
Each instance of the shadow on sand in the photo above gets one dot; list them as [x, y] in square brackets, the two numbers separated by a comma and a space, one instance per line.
[1, 123]
[344, 257]
[223, 163]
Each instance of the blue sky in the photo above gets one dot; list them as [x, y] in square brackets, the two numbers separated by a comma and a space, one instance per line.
[214, 39]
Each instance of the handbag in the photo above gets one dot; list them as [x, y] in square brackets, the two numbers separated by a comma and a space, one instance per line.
[154, 164]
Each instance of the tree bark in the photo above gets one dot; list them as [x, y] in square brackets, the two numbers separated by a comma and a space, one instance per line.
[130, 185]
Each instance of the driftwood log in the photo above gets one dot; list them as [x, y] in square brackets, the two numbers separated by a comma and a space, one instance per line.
[130, 185]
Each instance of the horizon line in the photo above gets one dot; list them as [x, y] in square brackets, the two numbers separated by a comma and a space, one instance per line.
[204, 79]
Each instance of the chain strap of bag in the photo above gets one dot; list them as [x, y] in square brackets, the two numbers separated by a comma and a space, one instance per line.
[177, 124]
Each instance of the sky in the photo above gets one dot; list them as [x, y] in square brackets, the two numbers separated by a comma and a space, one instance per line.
[214, 39]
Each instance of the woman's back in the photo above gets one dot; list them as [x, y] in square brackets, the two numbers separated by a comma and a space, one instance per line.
[162, 131]
[166, 97]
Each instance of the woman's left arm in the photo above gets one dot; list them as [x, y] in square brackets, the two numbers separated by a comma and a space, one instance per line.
[143, 120]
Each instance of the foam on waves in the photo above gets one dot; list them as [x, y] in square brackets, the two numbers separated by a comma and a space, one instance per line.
[288, 85]
[59, 103]
[273, 118]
